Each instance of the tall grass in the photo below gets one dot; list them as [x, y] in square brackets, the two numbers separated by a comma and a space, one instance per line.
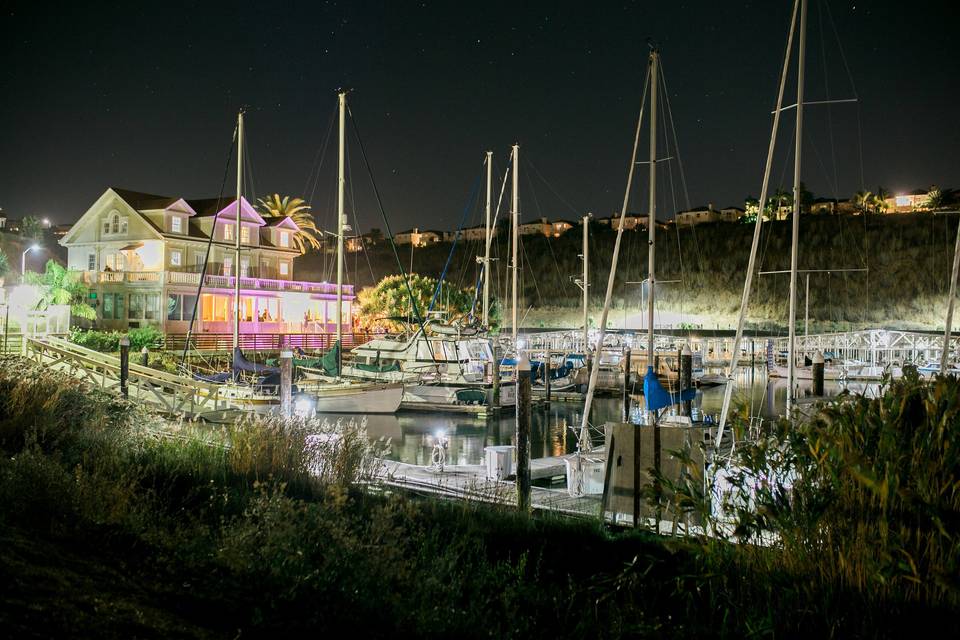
[259, 528]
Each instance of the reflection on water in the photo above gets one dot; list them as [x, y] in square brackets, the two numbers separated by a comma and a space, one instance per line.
[553, 428]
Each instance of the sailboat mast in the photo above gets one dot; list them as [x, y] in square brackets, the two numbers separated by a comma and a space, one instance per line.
[586, 283]
[486, 251]
[236, 251]
[798, 147]
[514, 216]
[342, 109]
[748, 281]
[945, 354]
[652, 220]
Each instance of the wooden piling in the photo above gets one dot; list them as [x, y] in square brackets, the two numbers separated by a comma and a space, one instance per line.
[145, 357]
[626, 384]
[546, 377]
[286, 383]
[818, 370]
[523, 434]
[496, 375]
[124, 365]
[686, 375]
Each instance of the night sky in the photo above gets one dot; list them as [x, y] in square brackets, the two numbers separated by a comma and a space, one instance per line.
[144, 96]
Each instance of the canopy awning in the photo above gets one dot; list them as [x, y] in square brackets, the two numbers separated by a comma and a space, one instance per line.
[132, 246]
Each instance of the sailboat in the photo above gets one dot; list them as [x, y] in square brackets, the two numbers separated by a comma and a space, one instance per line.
[326, 389]
[442, 366]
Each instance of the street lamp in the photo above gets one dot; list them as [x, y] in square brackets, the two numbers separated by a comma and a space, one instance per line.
[23, 259]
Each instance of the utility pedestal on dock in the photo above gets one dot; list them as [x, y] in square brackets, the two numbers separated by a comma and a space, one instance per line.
[286, 383]
[145, 357]
[124, 364]
[523, 434]
[818, 374]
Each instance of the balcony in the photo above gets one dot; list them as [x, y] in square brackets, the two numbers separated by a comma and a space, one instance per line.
[211, 281]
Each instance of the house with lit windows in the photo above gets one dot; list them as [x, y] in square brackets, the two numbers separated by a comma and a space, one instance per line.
[143, 257]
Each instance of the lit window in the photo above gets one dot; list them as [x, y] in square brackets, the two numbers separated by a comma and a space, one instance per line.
[175, 258]
[106, 226]
[91, 262]
[903, 201]
[244, 267]
[115, 224]
[284, 268]
[123, 225]
[176, 224]
[227, 266]
[228, 232]
[284, 239]
[245, 235]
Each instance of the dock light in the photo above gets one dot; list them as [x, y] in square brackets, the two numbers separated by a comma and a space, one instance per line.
[303, 407]
[23, 258]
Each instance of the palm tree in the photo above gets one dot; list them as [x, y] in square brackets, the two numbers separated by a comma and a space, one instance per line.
[880, 203]
[299, 211]
[863, 200]
[934, 198]
[59, 286]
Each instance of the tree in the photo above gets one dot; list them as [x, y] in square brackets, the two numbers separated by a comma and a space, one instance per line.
[60, 286]
[4, 265]
[934, 198]
[384, 305]
[298, 211]
[30, 227]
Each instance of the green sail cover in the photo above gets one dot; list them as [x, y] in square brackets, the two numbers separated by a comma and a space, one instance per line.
[330, 362]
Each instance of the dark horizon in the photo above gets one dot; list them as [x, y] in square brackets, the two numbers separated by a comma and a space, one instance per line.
[146, 98]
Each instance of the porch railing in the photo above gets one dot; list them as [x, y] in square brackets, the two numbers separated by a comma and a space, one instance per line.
[265, 341]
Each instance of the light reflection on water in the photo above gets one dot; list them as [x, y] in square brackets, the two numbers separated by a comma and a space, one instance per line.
[412, 435]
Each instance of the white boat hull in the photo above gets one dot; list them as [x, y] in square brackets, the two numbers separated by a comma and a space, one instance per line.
[356, 398]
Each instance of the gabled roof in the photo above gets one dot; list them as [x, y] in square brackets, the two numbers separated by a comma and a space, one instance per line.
[281, 221]
[210, 207]
[122, 194]
[144, 201]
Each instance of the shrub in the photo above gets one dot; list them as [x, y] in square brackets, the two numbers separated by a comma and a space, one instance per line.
[109, 341]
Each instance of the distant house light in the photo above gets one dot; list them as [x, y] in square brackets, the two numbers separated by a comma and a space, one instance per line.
[903, 201]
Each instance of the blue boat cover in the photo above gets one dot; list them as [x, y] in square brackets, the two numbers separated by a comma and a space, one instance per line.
[657, 397]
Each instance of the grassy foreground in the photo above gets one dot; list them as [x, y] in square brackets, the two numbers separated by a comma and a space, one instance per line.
[114, 524]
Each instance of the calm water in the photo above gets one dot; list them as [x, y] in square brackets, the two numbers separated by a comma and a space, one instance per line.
[554, 427]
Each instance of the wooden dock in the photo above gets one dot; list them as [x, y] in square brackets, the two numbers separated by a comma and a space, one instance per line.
[469, 482]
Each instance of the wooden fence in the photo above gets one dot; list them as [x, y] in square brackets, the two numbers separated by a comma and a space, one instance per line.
[264, 341]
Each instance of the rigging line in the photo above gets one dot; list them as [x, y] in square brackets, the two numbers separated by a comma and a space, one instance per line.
[533, 276]
[248, 170]
[206, 258]
[550, 186]
[843, 56]
[673, 192]
[421, 321]
[826, 86]
[453, 245]
[536, 203]
[356, 222]
[318, 158]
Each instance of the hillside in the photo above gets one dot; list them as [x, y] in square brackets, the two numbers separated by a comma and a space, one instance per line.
[908, 257]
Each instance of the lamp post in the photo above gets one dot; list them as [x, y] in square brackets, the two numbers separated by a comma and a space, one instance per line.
[23, 259]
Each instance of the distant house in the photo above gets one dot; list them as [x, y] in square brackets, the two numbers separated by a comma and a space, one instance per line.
[3, 220]
[418, 238]
[60, 230]
[478, 233]
[143, 257]
[916, 200]
[697, 215]
[631, 221]
[831, 206]
[354, 244]
[731, 214]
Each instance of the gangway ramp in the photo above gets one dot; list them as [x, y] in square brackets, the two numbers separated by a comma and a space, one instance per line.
[168, 393]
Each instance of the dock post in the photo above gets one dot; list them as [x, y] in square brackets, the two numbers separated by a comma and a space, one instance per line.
[546, 376]
[818, 374]
[286, 382]
[686, 374]
[124, 364]
[523, 434]
[496, 375]
[144, 356]
[626, 384]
